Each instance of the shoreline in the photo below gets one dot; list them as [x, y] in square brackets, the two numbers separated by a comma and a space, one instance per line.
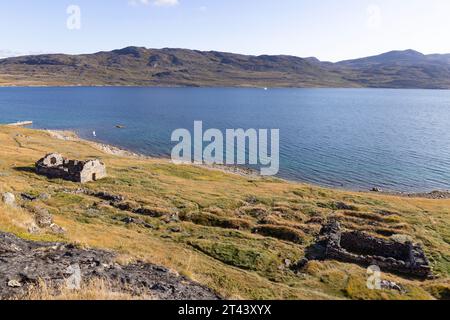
[208, 87]
[69, 135]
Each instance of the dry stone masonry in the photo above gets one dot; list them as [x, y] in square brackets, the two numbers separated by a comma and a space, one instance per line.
[362, 249]
[55, 166]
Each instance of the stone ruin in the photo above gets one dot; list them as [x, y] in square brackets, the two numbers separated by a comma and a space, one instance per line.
[365, 250]
[55, 166]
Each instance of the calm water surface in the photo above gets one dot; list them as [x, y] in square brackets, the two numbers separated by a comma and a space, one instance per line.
[398, 140]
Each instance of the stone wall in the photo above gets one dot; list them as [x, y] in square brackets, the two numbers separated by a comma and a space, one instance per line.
[54, 166]
[362, 249]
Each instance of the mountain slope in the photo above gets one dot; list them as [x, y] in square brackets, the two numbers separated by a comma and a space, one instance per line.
[181, 67]
[399, 69]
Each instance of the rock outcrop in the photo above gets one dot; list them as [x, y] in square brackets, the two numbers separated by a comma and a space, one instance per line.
[23, 263]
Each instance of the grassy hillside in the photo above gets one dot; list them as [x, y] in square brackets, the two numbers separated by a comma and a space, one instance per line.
[166, 67]
[137, 66]
[201, 221]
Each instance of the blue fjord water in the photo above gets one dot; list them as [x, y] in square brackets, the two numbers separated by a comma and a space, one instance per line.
[398, 140]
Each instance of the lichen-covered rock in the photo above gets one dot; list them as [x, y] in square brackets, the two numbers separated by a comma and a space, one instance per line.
[9, 199]
[42, 217]
[54, 228]
[24, 263]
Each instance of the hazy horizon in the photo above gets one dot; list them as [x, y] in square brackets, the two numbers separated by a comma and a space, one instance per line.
[329, 31]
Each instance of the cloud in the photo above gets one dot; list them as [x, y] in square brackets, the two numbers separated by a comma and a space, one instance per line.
[374, 17]
[159, 3]
[165, 3]
[11, 53]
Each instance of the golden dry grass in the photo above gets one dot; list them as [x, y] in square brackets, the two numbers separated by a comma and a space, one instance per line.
[216, 246]
[94, 290]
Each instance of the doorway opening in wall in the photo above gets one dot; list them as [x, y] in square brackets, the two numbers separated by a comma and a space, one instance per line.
[94, 177]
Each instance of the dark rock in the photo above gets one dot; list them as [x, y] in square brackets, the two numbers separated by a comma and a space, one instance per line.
[130, 220]
[344, 206]
[300, 265]
[390, 285]
[145, 211]
[125, 206]
[175, 229]
[28, 197]
[23, 263]
[106, 196]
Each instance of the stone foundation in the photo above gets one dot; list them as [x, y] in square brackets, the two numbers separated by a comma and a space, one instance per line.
[362, 249]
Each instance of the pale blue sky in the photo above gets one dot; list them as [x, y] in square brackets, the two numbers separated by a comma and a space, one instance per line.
[328, 29]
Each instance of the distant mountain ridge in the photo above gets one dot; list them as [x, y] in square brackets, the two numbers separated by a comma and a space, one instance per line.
[137, 66]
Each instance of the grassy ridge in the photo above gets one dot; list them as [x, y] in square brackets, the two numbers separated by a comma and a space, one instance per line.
[232, 233]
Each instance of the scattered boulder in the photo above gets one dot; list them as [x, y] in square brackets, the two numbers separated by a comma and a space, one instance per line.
[9, 199]
[130, 220]
[28, 197]
[344, 206]
[391, 285]
[126, 206]
[431, 195]
[33, 229]
[14, 284]
[171, 218]
[176, 229]
[287, 263]
[45, 196]
[42, 217]
[106, 196]
[54, 228]
[151, 212]
[300, 265]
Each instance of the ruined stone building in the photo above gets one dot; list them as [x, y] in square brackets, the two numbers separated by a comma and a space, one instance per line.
[55, 166]
[365, 250]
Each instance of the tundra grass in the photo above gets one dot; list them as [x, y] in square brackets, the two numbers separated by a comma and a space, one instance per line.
[236, 234]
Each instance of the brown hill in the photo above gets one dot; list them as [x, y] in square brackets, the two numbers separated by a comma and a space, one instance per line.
[138, 66]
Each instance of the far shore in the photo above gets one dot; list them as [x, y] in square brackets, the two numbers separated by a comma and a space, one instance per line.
[243, 86]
